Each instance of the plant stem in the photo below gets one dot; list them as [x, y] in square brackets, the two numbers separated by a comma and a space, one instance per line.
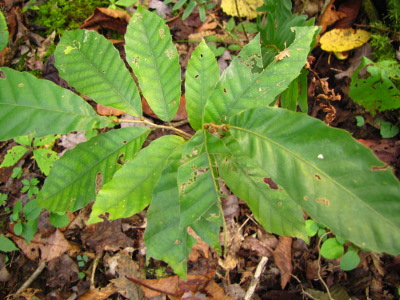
[155, 126]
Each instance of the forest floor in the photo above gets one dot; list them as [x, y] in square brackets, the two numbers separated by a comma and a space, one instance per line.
[92, 262]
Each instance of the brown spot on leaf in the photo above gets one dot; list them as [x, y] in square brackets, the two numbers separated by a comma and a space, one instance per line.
[324, 201]
[272, 185]
[318, 177]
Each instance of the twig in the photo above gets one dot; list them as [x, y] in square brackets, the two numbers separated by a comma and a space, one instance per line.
[95, 264]
[319, 267]
[35, 275]
[301, 286]
[155, 126]
[256, 278]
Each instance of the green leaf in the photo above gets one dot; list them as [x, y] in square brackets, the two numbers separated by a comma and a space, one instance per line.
[131, 188]
[349, 260]
[311, 227]
[201, 76]
[269, 203]
[91, 64]
[377, 92]
[339, 182]
[13, 156]
[73, 179]
[48, 107]
[331, 249]
[198, 188]
[164, 238]
[24, 140]
[155, 62]
[388, 130]
[245, 84]
[189, 9]
[45, 159]
[3, 32]
[59, 220]
[6, 245]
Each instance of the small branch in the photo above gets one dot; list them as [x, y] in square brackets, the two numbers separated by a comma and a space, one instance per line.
[377, 28]
[256, 278]
[32, 278]
[145, 122]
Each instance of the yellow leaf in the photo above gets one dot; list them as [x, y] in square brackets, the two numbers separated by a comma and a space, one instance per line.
[246, 8]
[340, 40]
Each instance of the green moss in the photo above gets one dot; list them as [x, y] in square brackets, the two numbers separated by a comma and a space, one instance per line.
[61, 15]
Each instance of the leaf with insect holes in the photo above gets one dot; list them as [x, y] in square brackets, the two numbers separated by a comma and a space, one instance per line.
[339, 182]
[155, 62]
[198, 188]
[201, 76]
[91, 64]
[246, 84]
[121, 200]
[269, 203]
[72, 181]
[164, 237]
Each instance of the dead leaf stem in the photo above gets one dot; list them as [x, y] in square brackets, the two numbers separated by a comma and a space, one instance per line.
[256, 278]
[31, 278]
[155, 126]
[319, 266]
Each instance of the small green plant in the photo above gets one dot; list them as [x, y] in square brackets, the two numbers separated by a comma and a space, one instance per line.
[82, 260]
[40, 148]
[30, 187]
[3, 199]
[25, 218]
[190, 5]
[240, 140]
[379, 90]
[334, 247]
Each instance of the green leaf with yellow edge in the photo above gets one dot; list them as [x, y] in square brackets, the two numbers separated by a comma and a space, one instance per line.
[340, 40]
[241, 8]
[338, 181]
[131, 188]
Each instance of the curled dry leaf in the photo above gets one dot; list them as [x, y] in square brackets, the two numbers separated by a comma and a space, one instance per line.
[283, 259]
[330, 16]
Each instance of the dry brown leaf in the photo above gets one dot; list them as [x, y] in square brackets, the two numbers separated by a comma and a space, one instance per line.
[180, 115]
[387, 150]
[99, 294]
[108, 111]
[330, 16]
[196, 286]
[108, 18]
[47, 248]
[106, 236]
[283, 259]
[123, 266]
[350, 9]
[62, 271]
[199, 35]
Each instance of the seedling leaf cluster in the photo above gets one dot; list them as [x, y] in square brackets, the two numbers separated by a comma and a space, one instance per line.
[280, 162]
